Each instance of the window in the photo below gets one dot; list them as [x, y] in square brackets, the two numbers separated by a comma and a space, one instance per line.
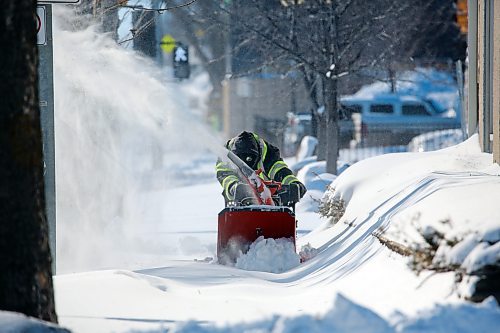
[381, 108]
[414, 110]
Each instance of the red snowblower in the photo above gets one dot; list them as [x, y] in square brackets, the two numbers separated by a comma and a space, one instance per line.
[261, 208]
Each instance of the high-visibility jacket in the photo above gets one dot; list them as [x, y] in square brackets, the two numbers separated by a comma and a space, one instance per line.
[270, 162]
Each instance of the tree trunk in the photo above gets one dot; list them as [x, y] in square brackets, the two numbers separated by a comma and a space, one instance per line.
[26, 278]
[332, 127]
[392, 78]
[322, 139]
[314, 124]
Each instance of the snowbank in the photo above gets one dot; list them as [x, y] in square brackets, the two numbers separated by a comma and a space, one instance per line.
[443, 203]
[13, 322]
[346, 316]
[436, 140]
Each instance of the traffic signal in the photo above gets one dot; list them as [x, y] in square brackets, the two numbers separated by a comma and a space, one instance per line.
[181, 61]
[461, 7]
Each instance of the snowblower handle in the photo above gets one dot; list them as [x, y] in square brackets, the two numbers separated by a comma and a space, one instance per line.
[272, 185]
[262, 192]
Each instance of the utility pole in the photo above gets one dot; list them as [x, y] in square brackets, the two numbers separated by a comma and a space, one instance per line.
[46, 96]
[158, 32]
[46, 90]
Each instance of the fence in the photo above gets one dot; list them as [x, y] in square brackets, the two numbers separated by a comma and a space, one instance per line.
[425, 142]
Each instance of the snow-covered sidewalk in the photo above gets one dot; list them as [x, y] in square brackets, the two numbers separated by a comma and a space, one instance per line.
[353, 284]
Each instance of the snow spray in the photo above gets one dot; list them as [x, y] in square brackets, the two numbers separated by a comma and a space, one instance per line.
[116, 123]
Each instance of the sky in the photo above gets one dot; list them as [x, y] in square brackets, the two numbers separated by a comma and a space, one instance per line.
[138, 203]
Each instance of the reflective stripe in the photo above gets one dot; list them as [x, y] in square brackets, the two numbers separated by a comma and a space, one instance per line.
[262, 144]
[222, 167]
[229, 179]
[289, 179]
[260, 166]
[276, 167]
[263, 152]
[226, 183]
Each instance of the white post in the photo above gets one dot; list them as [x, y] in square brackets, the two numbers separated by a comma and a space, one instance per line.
[496, 82]
[472, 110]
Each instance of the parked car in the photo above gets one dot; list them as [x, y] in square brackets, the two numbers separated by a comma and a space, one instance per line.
[379, 121]
[300, 125]
[394, 119]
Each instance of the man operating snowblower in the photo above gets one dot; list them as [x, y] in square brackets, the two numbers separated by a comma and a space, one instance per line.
[260, 156]
[260, 193]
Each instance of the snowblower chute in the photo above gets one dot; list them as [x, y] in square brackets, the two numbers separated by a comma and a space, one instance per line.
[261, 208]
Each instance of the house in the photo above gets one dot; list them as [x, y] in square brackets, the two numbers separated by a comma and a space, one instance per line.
[483, 76]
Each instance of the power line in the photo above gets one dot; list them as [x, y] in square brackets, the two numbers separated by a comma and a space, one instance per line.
[137, 32]
[140, 7]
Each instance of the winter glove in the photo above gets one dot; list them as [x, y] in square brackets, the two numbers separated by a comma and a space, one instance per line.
[244, 194]
[232, 189]
[302, 188]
